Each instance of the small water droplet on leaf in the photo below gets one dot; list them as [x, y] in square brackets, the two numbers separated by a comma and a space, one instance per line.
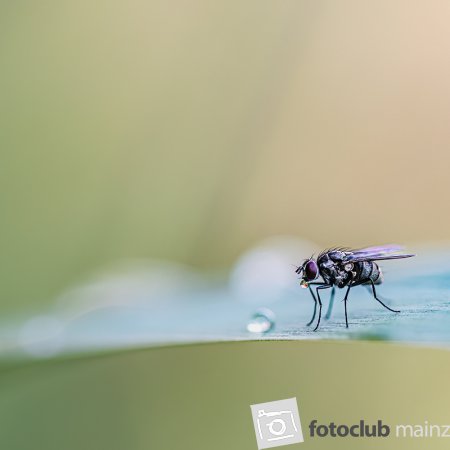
[262, 321]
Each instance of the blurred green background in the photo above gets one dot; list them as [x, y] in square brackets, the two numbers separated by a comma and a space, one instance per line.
[199, 397]
[190, 130]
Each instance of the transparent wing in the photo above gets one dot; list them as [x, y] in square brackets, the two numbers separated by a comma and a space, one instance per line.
[377, 253]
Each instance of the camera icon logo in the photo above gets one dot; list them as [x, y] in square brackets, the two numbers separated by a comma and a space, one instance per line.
[277, 423]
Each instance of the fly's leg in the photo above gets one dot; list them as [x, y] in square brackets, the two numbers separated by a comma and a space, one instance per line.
[315, 302]
[315, 307]
[370, 291]
[324, 286]
[378, 300]
[355, 283]
[345, 305]
[330, 304]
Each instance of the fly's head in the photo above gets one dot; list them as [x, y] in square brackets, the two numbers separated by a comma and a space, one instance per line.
[309, 271]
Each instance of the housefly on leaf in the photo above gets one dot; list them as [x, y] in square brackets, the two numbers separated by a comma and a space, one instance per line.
[344, 267]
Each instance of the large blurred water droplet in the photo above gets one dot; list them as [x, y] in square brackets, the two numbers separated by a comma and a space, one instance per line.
[262, 321]
[265, 274]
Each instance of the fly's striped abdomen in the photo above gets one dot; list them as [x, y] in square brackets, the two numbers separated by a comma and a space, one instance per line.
[368, 270]
[377, 274]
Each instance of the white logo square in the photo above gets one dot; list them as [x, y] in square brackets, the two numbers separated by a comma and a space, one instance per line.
[277, 423]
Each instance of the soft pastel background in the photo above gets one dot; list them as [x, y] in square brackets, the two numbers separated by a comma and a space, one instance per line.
[146, 146]
[188, 131]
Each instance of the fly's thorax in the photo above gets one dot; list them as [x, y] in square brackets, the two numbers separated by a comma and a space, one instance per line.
[334, 272]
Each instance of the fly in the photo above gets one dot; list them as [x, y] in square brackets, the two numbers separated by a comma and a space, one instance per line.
[344, 267]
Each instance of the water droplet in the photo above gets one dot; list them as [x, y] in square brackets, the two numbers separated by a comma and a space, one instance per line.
[262, 321]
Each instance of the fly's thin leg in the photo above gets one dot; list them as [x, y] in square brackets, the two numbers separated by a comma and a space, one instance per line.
[369, 290]
[315, 307]
[345, 305]
[330, 304]
[378, 300]
[324, 286]
[354, 284]
[315, 300]
[320, 308]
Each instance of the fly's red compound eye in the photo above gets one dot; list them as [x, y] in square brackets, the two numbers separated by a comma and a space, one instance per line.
[311, 270]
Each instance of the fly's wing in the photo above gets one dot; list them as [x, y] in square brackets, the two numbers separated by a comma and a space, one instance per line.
[377, 253]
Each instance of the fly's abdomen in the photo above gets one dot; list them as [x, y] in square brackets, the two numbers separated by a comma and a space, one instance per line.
[369, 270]
[377, 274]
